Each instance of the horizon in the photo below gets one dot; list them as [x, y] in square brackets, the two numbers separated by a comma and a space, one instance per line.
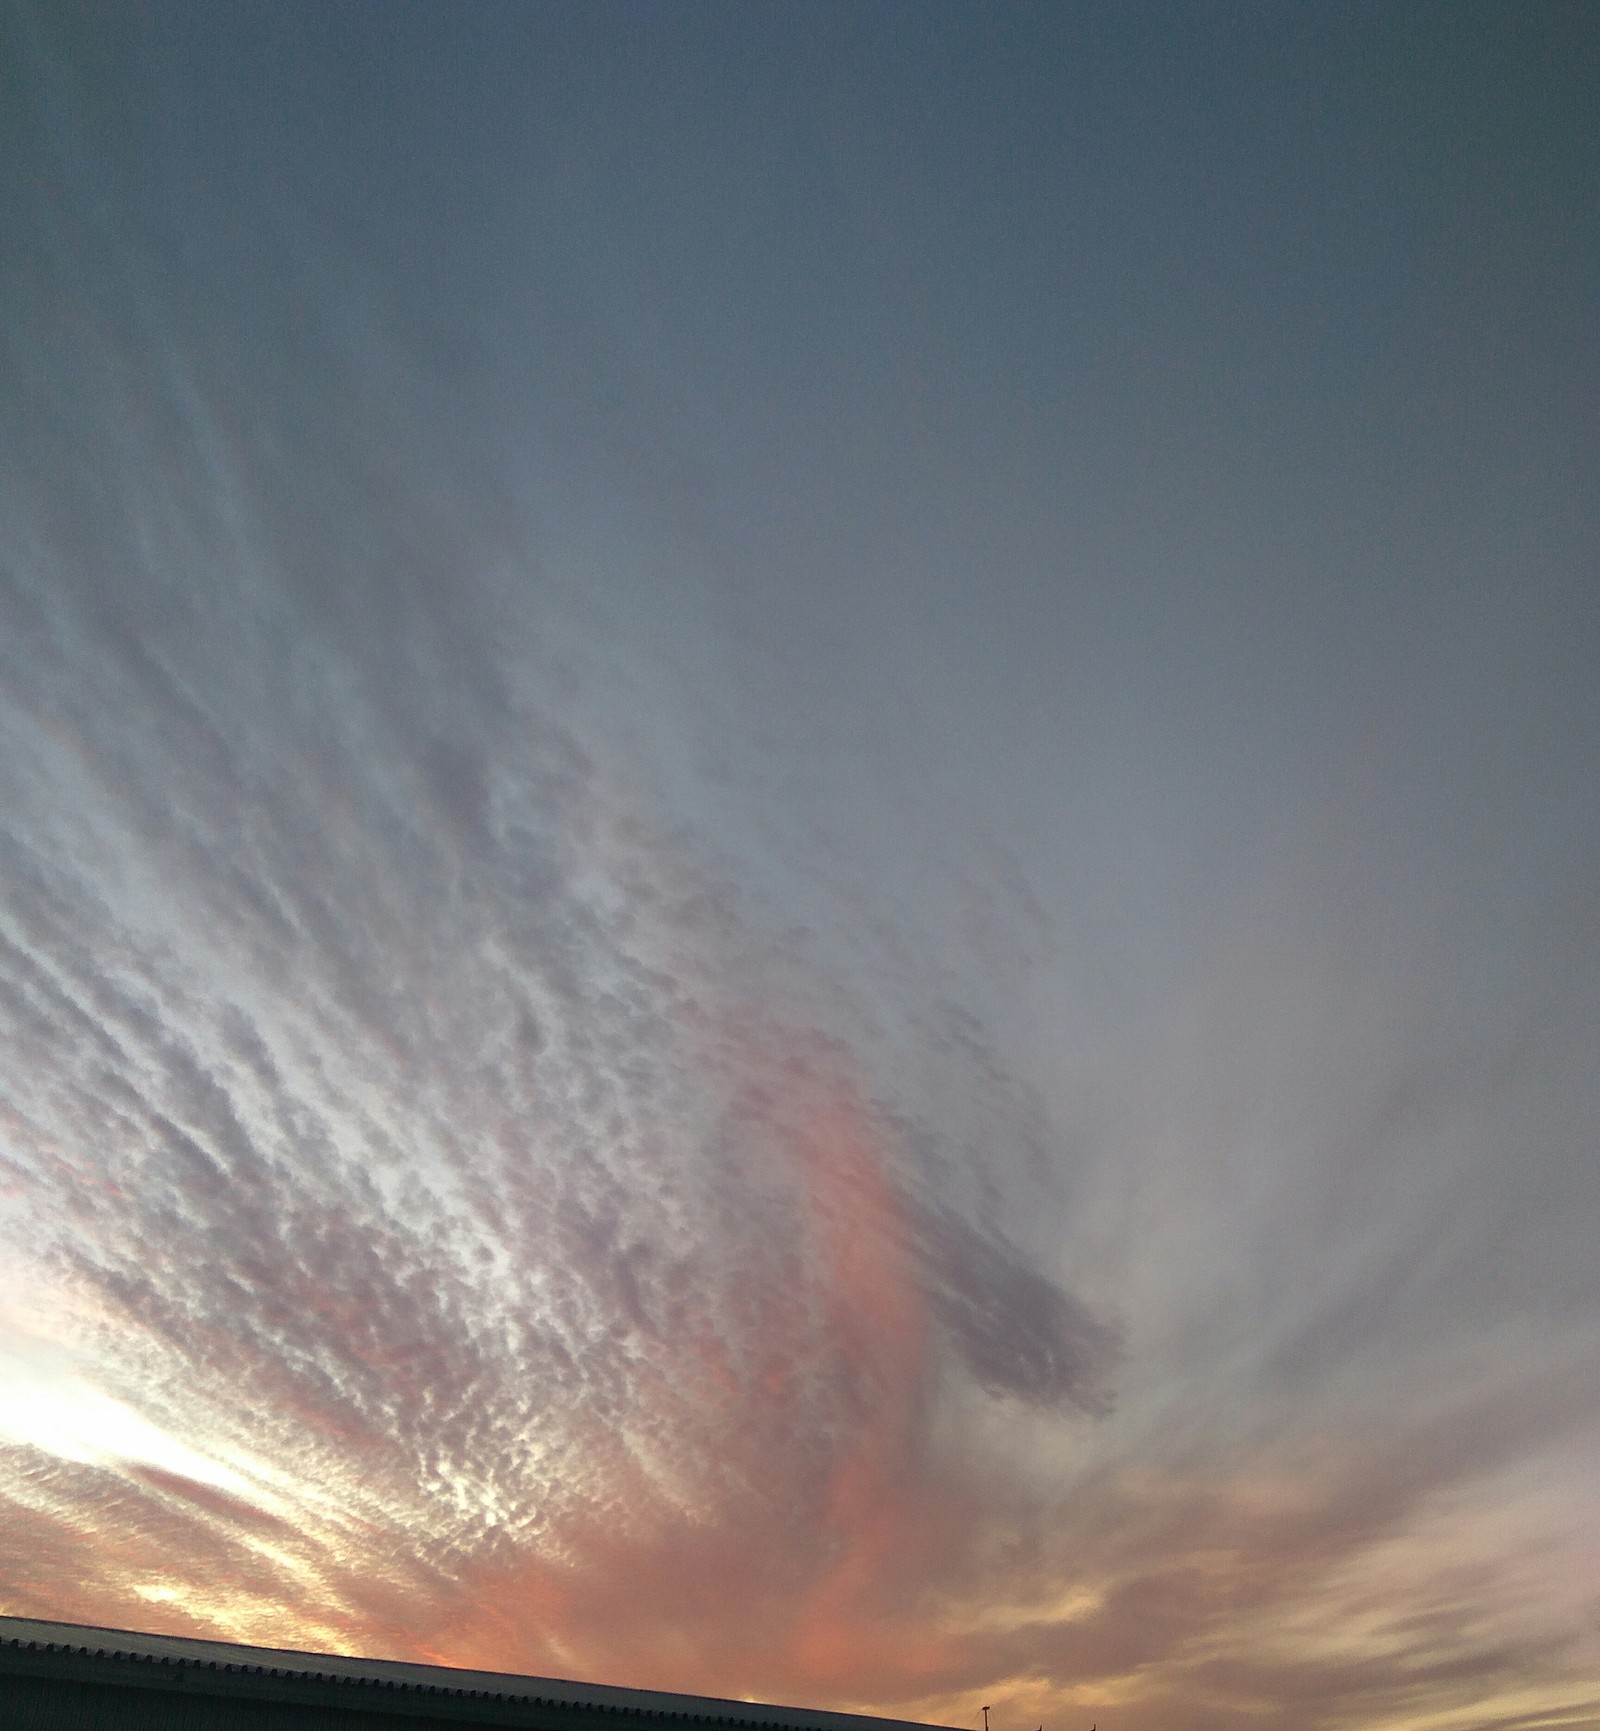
[144, 1644]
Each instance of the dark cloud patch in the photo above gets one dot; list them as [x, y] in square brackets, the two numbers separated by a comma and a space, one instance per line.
[230, 1511]
[1019, 1333]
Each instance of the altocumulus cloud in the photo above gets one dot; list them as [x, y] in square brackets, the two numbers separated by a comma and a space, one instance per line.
[403, 1117]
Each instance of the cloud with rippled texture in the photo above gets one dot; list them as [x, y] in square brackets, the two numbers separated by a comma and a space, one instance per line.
[434, 1134]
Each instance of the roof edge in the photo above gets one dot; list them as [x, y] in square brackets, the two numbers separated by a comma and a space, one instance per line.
[291, 1664]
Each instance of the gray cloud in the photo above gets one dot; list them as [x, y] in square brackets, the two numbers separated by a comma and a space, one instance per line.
[1019, 1333]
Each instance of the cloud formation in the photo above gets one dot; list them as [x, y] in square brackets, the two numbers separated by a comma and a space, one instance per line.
[402, 1110]
[634, 1042]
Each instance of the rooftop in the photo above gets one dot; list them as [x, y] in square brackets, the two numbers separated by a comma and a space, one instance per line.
[77, 1658]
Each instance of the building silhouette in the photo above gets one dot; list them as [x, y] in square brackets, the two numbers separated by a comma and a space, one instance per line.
[68, 1677]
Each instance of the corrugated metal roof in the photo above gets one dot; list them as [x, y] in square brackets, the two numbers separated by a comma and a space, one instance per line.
[212, 1664]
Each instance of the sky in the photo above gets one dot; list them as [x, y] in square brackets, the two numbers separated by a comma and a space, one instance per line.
[799, 866]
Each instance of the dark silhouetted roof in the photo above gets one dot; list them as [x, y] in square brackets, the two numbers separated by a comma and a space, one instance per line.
[69, 1675]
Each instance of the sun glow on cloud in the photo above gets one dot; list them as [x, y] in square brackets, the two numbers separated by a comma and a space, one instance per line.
[74, 1422]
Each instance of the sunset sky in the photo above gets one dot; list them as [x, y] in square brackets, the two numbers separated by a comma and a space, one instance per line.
[800, 848]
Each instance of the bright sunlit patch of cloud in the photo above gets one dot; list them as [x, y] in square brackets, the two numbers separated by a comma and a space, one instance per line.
[1534, 1704]
[251, 1618]
[1069, 1605]
[49, 1404]
[56, 1411]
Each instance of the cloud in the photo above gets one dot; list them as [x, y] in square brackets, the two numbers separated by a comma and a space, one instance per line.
[1018, 1332]
[411, 1109]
